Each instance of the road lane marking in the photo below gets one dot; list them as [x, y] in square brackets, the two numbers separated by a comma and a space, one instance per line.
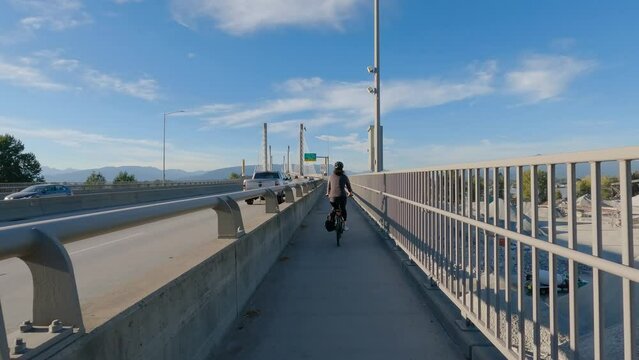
[105, 244]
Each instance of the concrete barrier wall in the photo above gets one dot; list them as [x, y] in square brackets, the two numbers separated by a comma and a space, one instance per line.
[12, 210]
[186, 318]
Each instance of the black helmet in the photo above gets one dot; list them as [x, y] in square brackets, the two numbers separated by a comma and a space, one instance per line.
[339, 165]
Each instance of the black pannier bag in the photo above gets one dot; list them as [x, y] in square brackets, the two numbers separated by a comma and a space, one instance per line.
[329, 224]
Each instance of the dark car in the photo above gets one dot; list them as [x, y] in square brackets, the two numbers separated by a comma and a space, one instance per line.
[40, 191]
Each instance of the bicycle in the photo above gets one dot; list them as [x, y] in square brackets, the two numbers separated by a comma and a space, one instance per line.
[339, 225]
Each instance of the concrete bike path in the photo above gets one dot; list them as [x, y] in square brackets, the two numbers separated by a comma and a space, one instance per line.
[320, 301]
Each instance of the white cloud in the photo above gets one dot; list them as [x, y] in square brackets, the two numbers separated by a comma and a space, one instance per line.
[145, 88]
[51, 14]
[300, 84]
[126, 1]
[31, 71]
[65, 64]
[328, 102]
[78, 149]
[350, 142]
[544, 77]
[27, 76]
[246, 16]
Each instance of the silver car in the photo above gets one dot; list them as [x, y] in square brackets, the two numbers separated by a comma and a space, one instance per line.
[40, 191]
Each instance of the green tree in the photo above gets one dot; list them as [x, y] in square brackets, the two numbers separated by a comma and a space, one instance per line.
[96, 178]
[15, 164]
[635, 186]
[542, 186]
[124, 177]
[234, 176]
[583, 186]
[609, 187]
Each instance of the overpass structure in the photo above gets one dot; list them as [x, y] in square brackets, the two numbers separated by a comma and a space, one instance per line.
[481, 264]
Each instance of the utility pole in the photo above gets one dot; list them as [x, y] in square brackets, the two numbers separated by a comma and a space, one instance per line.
[288, 159]
[270, 159]
[301, 149]
[265, 144]
[376, 146]
[379, 153]
[371, 148]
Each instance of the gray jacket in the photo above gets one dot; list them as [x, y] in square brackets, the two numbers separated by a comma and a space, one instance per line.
[336, 186]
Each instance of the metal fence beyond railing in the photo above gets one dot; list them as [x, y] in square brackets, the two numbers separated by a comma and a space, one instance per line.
[536, 252]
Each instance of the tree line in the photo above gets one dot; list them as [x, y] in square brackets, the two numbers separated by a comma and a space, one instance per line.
[18, 166]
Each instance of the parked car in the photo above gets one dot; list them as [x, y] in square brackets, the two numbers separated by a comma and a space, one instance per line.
[40, 191]
[265, 179]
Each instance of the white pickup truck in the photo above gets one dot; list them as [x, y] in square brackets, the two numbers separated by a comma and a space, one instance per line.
[265, 179]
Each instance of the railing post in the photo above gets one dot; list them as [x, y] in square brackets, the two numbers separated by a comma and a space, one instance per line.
[298, 190]
[288, 195]
[272, 206]
[55, 294]
[229, 219]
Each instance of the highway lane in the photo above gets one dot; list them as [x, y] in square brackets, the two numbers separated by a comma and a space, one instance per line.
[115, 270]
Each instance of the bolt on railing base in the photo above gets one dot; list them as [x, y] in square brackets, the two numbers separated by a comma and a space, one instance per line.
[40, 341]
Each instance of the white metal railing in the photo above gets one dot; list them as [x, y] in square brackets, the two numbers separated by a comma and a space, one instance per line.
[478, 232]
[40, 244]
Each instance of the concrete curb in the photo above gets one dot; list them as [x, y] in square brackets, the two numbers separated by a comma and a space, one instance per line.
[472, 343]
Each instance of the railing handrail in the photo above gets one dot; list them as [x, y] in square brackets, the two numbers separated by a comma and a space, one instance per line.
[6, 188]
[603, 155]
[95, 223]
[608, 266]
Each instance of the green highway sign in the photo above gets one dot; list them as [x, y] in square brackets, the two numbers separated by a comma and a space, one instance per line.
[310, 157]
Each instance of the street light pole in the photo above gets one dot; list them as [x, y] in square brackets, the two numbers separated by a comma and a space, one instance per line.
[164, 145]
[379, 153]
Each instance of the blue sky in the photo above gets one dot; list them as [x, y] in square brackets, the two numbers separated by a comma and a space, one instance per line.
[84, 83]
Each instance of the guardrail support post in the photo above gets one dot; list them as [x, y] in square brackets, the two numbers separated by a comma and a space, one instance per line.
[55, 294]
[305, 188]
[4, 346]
[288, 194]
[298, 190]
[272, 207]
[229, 219]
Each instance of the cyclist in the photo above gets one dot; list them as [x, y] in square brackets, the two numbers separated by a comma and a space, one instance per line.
[339, 189]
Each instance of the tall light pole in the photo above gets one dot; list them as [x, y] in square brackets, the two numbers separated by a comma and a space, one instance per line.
[164, 145]
[377, 150]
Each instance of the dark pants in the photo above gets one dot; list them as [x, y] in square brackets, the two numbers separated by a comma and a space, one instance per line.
[339, 203]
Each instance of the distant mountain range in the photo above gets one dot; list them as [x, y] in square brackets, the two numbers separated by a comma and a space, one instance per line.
[151, 173]
[142, 173]
[147, 173]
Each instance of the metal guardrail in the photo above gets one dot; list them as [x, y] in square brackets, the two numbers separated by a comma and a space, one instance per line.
[8, 188]
[40, 245]
[448, 220]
